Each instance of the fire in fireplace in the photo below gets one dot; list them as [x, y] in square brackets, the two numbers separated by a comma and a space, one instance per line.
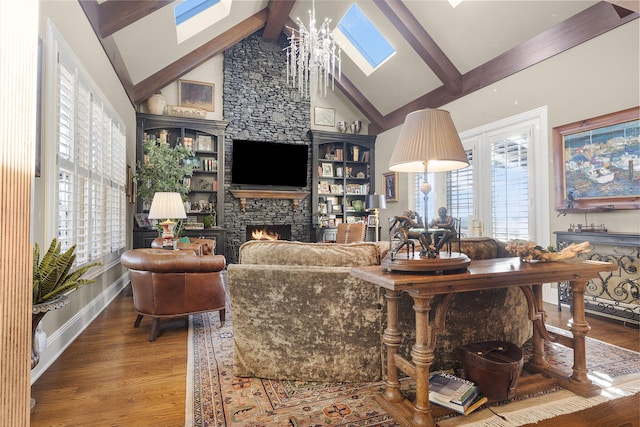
[268, 232]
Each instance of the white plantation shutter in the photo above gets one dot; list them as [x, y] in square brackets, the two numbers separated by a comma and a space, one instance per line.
[90, 163]
[460, 194]
[510, 188]
[418, 178]
[505, 186]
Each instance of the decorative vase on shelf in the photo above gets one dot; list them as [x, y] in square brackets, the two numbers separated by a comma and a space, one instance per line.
[156, 103]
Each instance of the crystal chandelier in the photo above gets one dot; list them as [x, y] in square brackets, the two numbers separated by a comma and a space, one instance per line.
[313, 56]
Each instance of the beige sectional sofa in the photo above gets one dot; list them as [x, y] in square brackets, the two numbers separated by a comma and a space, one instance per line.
[299, 315]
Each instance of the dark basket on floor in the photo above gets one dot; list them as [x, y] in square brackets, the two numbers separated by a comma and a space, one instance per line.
[494, 366]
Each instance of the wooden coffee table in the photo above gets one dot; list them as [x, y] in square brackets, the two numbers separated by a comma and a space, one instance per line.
[480, 275]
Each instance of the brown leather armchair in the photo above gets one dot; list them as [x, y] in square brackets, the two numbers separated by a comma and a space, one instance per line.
[201, 246]
[169, 283]
[350, 233]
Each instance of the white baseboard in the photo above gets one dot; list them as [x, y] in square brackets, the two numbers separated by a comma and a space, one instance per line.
[66, 334]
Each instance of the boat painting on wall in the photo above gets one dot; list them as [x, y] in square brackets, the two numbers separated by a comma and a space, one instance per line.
[600, 162]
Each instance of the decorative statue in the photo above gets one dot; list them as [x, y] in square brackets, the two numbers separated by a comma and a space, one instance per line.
[442, 220]
[445, 223]
[400, 229]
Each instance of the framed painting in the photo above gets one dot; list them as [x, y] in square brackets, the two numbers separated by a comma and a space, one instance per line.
[195, 94]
[390, 185]
[324, 116]
[597, 163]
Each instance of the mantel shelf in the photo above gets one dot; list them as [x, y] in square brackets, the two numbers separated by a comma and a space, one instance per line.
[243, 195]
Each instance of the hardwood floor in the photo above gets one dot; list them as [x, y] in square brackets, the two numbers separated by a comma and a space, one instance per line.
[111, 375]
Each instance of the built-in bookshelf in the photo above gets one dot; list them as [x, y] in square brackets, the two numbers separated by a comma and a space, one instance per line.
[205, 205]
[343, 175]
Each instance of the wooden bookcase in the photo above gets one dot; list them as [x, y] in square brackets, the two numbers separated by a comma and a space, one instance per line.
[206, 198]
[343, 175]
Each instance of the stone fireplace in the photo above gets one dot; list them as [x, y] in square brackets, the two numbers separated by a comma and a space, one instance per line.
[260, 105]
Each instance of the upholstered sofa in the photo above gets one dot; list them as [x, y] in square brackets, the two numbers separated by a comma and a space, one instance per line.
[298, 314]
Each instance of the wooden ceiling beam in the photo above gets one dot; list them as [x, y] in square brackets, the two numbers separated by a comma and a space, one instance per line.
[632, 5]
[117, 14]
[91, 9]
[423, 44]
[197, 57]
[578, 29]
[278, 15]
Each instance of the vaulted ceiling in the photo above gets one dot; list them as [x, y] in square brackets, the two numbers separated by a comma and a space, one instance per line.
[443, 53]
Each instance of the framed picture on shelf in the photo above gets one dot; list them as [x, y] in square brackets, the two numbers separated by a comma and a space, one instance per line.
[204, 143]
[597, 162]
[327, 170]
[142, 220]
[195, 94]
[324, 187]
[371, 220]
[194, 162]
[335, 189]
[390, 185]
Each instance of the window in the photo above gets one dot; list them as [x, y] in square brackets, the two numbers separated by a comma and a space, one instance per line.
[460, 200]
[362, 41]
[190, 8]
[90, 161]
[504, 191]
[418, 179]
[193, 16]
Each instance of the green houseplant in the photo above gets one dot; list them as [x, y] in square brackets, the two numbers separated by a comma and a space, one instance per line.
[52, 276]
[163, 169]
[53, 279]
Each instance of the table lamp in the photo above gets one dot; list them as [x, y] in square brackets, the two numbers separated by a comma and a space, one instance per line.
[375, 202]
[428, 142]
[167, 206]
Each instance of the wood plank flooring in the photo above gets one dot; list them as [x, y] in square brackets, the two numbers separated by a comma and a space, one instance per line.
[111, 375]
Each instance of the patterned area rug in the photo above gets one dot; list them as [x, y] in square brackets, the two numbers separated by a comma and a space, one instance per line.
[216, 398]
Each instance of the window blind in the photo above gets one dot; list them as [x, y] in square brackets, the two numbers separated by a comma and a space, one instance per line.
[90, 164]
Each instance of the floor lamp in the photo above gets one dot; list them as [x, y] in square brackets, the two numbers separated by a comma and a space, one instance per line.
[167, 206]
[375, 202]
[428, 142]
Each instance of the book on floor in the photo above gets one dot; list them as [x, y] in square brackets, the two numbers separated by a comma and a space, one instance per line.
[474, 402]
[450, 387]
[477, 402]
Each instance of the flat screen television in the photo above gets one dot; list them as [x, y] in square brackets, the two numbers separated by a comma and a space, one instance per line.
[277, 164]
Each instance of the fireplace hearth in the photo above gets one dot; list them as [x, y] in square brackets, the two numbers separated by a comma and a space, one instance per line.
[268, 232]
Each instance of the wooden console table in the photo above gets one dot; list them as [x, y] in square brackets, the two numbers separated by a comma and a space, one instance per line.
[480, 275]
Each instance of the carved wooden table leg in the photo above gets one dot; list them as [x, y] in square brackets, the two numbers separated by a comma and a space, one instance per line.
[392, 339]
[538, 358]
[422, 357]
[580, 382]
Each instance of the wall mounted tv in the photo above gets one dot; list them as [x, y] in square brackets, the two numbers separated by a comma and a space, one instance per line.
[260, 163]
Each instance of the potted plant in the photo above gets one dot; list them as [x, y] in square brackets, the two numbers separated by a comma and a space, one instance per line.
[163, 169]
[52, 281]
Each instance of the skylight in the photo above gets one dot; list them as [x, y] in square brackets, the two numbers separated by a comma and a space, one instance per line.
[362, 41]
[193, 16]
[190, 8]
